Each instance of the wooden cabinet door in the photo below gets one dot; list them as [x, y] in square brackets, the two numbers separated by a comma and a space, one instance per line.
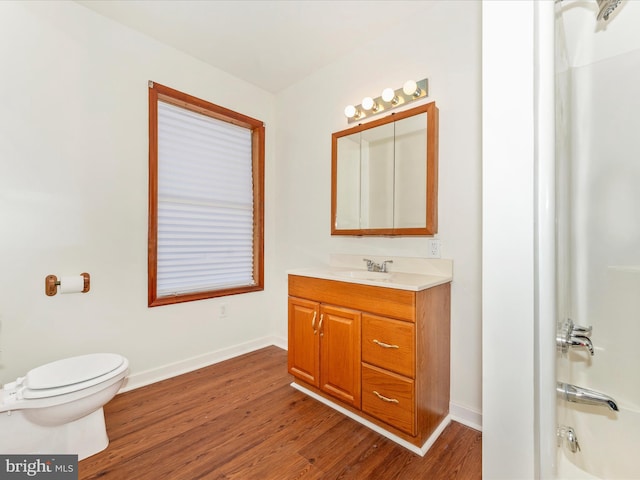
[304, 340]
[340, 371]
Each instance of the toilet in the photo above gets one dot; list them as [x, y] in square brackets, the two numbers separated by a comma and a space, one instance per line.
[57, 408]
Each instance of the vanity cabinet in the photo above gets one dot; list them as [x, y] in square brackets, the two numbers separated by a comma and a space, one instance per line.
[381, 352]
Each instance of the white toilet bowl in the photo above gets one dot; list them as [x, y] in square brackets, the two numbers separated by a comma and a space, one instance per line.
[57, 408]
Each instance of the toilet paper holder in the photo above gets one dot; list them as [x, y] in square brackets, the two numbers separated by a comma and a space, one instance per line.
[51, 284]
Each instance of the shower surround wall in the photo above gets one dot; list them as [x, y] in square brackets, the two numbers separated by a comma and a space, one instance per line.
[599, 250]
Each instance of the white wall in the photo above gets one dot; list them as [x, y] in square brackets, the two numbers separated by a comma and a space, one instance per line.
[444, 46]
[73, 193]
[509, 162]
[73, 188]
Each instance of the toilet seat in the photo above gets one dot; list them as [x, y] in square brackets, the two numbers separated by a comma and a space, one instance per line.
[71, 374]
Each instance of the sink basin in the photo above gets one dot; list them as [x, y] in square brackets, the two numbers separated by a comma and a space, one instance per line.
[366, 275]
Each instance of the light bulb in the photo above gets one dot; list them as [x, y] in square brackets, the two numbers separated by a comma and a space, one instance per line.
[410, 88]
[368, 103]
[350, 111]
[388, 94]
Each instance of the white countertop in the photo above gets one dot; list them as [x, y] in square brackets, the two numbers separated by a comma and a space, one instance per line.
[412, 274]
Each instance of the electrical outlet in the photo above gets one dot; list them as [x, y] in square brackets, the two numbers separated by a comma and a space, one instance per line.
[433, 248]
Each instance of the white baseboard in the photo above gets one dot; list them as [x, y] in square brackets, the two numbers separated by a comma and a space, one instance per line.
[148, 377]
[394, 438]
[466, 416]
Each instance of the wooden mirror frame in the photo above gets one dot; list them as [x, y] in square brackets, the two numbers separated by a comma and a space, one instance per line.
[431, 221]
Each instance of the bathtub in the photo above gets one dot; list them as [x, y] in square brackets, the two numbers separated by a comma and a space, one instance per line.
[608, 440]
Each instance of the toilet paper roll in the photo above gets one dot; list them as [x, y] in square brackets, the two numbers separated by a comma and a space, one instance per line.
[74, 284]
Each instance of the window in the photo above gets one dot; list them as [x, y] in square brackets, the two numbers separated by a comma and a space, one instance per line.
[206, 181]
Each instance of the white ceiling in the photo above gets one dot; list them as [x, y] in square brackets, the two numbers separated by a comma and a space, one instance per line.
[271, 44]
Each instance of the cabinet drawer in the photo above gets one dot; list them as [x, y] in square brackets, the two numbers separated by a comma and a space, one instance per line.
[389, 344]
[389, 397]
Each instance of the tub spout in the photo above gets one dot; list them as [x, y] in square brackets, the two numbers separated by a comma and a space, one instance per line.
[581, 341]
[573, 393]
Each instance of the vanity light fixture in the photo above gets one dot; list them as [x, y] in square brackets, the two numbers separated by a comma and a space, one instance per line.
[388, 100]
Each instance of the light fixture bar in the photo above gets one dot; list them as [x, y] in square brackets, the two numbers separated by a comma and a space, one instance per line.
[402, 96]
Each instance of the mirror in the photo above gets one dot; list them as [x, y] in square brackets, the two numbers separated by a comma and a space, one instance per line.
[384, 175]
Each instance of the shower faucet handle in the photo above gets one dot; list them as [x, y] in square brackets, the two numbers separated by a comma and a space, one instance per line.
[581, 331]
[572, 335]
[572, 329]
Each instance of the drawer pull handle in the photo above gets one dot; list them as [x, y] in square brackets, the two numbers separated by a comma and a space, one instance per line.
[384, 345]
[313, 322]
[386, 399]
[320, 326]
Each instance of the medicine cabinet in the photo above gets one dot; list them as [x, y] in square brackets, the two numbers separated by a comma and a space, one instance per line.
[384, 175]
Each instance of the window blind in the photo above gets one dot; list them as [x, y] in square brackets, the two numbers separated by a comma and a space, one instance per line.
[205, 203]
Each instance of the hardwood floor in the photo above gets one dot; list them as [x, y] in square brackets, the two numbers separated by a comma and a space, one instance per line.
[240, 419]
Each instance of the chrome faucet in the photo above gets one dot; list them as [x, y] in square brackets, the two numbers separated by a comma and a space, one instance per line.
[573, 393]
[377, 267]
[572, 335]
[580, 341]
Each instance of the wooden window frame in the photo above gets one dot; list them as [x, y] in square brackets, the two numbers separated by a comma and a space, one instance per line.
[162, 93]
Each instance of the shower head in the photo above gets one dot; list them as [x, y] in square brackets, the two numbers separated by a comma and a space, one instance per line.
[606, 7]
